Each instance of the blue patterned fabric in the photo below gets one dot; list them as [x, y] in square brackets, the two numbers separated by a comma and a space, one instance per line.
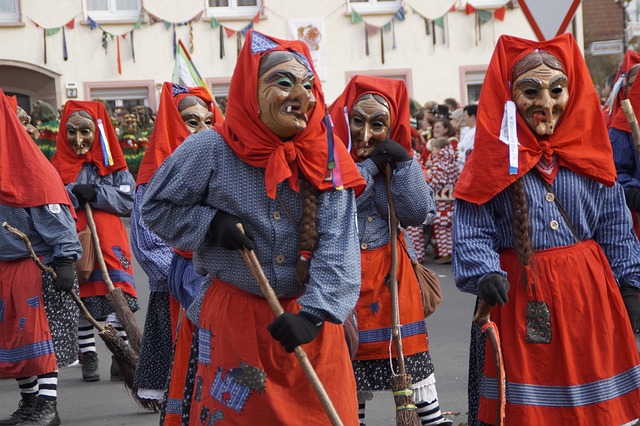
[204, 346]
[114, 192]
[596, 212]
[34, 302]
[625, 158]
[51, 230]
[176, 89]
[226, 383]
[204, 175]
[260, 43]
[26, 352]
[384, 334]
[152, 253]
[412, 199]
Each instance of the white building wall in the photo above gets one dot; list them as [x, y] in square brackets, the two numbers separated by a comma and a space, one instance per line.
[435, 71]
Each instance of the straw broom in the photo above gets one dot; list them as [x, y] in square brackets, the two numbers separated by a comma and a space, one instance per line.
[482, 319]
[115, 296]
[124, 356]
[255, 268]
[401, 384]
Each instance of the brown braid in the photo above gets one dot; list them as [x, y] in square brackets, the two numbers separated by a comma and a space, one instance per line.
[308, 231]
[521, 234]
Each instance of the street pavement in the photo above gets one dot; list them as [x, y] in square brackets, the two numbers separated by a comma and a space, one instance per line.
[109, 403]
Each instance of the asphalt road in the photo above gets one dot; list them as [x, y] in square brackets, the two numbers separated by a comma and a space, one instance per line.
[108, 403]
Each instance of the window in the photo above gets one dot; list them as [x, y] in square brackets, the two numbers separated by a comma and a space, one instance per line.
[233, 9]
[219, 88]
[9, 11]
[112, 10]
[472, 78]
[124, 94]
[374, 6]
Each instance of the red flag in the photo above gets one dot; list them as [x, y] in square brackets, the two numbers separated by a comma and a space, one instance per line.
[229, 31]
[499, 13]
[256, 19]
[452, 8]
[469, 9]
[71, 24]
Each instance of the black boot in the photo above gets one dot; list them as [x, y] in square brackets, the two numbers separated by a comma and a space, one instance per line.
[90, 371]
[45, 414]
[26, 406]
[114, 371]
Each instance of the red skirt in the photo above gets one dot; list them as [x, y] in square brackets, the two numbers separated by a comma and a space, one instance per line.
[116, 251]
[247, 378]
[26, 347]
[588, 373]
[374, 306]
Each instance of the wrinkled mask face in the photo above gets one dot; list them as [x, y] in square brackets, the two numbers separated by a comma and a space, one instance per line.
[197, 118]
[81, 131]
[285, 98]
[130, 123]
[541, 96]
[25, 120]
[369, 124]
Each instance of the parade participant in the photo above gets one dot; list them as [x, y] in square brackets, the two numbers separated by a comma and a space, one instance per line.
[545, 234]
[183, 111]
[38, 321]
[90, 161]
[372, 116]
[270, 167]
[625, 76]
[24, 118]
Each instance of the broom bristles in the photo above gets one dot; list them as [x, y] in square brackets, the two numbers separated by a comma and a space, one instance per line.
[127, 319]
[127, 361]
[406, 410]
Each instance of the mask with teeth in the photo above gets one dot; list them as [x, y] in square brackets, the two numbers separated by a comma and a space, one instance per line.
[540, 91]
[369, 123]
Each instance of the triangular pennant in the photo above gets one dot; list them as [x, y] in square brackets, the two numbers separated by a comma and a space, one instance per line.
[71, 24]
[484, 16]
[229, 31]
[549, 18]
[92, 24]
[499, 13]
[138, 24]
[153, 19]
[400, 14]
[468, 9]
[371, 29]
[35, 23]
[356, 18]
[246, 28]
[439, 21]
[198, 16]
[452, 8]
[52, 31]
[256, 19]
[167, 25]
[387, 26]
[214, 23]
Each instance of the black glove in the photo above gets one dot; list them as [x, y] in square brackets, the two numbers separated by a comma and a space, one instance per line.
[493, 289]
[85, 193]
[632, 196]
[631, 298]
[292, 330]
[391, 152]
[65, 271]
[224, 232]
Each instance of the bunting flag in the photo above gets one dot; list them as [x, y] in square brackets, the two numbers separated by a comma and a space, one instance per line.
[370, 29]
[55, 30]
[499, 13]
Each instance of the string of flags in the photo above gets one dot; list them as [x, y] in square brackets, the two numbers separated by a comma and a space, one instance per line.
[371, 30]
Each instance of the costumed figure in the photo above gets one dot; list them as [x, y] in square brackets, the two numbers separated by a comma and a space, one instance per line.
[624, 79]
[274, 167]
[625, 149]
[542, 233]
[183, 111]
[90, 161]
[443, 173]
[38, 318]
[45, 118]
[372, 117]
[24, 118]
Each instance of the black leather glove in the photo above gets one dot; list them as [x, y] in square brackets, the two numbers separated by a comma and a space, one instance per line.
[632, 196]
[224, 232]
[631, 298]
[493, 289]
[85, 193]
[391, 152]
[65, 271]
[292, 330]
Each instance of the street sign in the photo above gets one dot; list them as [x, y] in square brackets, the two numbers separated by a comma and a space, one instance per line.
[549, 18]
[610, 47]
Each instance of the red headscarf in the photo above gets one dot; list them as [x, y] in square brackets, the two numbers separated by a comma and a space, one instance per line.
[255, 144]
[618, 119]
[27, 178]
[580, 140]
[169, 130]
[65, 159]
[394, 91]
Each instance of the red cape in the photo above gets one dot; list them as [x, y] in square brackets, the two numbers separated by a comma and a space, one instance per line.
[394, 91]
[248, 137]
[27, 178]
[580, 140]
[65, 159]
[169, 130]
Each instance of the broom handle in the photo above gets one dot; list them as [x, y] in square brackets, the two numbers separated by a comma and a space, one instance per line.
[393, 272]
[633, 122]
[51, 272]
[251, 260]
[96, 243]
